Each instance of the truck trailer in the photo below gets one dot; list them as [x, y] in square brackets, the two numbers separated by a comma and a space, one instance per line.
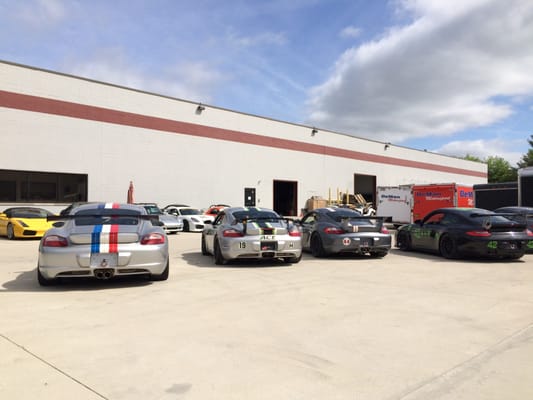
[525, 187]
[407, 203]
[491, 196]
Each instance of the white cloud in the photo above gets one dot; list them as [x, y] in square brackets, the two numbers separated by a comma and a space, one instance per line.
[39, 13]
[265, 38]
[189, 81]
[498, 147]
[457, 65]
[350, 32]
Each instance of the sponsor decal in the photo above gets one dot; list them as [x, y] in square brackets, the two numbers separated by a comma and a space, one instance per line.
[346, 241]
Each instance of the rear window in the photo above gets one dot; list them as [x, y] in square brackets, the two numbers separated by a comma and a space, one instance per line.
[256, 214]
[106, 216]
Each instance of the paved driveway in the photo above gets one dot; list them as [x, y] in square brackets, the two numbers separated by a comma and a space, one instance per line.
[409, 326]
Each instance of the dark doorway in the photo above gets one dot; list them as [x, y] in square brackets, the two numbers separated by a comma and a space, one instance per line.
[366, 186]
[286, 198]
[249, 197]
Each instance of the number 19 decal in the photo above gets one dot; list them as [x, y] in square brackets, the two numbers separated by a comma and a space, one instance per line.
[242, 245]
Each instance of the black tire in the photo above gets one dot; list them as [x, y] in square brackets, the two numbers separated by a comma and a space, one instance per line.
[10, 232]
[163, 276]
[186, 227]
[219, 257]
[204, 247]
[317, 248]
[44, 281]
[448, 247]
[403, 241]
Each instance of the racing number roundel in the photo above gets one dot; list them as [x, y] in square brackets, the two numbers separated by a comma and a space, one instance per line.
[346, 241]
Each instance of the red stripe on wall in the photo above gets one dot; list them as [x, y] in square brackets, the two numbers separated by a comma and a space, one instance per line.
[75, 110]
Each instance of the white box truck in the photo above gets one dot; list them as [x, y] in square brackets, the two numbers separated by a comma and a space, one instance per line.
[395, 202]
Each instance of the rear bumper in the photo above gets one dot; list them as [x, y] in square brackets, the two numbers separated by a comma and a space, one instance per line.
[75, 261]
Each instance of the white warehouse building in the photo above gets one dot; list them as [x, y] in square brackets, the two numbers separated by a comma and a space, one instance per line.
[65, 139]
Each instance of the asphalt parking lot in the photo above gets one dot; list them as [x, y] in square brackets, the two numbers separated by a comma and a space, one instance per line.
[409, 326]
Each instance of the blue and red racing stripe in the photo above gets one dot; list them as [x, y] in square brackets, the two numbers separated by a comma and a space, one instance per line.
[104, 237]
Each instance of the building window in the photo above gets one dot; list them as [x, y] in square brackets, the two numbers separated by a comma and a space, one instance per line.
[42, 187]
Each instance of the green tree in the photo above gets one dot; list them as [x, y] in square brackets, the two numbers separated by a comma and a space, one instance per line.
[499, 170]
[527, 159]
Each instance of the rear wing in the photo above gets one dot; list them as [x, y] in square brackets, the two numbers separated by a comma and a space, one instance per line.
[112, 215]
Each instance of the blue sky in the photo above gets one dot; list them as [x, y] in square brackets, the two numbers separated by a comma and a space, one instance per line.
[449, 76]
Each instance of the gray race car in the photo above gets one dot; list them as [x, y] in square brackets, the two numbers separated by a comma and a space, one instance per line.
[101, 241]
[336, 230]
[251, 233]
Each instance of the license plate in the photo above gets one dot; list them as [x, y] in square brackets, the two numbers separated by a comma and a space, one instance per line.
[268, 237]
[269, 246]
[104, 260]
[367, 243]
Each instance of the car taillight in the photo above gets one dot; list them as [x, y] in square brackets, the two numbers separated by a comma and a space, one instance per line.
[384, 230]
[529, 233]
[478, 233]
[55, 241]
[295, 232]
[153, 238]
[232, 233]
[330, 230]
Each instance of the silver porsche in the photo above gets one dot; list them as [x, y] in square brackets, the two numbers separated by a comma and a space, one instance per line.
[103, 240]
[251, 233]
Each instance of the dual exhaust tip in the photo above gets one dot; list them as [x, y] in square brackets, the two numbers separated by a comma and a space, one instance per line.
[104, 273]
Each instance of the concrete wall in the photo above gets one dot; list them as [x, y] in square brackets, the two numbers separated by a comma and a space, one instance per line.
[57, 123]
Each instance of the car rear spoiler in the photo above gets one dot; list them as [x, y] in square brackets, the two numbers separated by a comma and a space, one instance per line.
[74, 216]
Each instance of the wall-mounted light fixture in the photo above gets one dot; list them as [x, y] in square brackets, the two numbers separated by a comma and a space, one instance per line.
[314, 131]
[199, 109]
[387, 146]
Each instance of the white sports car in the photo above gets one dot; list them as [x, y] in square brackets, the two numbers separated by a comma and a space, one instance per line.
[103, 240]
[193, 219]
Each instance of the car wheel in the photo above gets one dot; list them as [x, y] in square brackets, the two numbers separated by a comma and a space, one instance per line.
[186, 227]
[10, 232]
[204, 247]
[317, 248]
[219, 257]
[44, 281]
[403, 241]
[164, 275]
[448, 247]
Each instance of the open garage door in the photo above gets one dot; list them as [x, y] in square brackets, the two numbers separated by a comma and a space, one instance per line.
[365, 185]
[286, 198]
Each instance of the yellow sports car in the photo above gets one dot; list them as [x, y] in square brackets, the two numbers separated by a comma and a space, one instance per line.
[24, 222]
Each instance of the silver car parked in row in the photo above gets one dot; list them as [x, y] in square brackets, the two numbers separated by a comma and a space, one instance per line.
[251, 233]
[102, 241]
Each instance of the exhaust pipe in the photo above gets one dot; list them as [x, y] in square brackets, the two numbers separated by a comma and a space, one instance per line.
[104, 274]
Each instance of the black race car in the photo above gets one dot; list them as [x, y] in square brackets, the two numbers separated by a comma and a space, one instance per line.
[466, 232]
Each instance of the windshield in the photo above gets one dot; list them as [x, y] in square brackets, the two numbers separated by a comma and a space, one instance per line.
[190, 211]
[106, 216]
[28, 213]
[153, 210]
